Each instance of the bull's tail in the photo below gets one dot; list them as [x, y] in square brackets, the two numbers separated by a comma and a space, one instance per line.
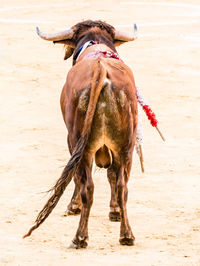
[99, 74]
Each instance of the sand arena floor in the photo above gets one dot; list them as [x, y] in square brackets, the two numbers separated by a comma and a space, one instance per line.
[163, 205]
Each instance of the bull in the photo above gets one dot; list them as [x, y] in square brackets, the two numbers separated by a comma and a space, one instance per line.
[99, 108]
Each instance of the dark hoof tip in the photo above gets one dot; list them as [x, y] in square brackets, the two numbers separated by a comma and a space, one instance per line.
[72, 212]
[128, 241]
[77, 244]
[115, 216]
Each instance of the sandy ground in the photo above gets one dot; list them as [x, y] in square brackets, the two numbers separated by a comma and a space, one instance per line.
[163, 206]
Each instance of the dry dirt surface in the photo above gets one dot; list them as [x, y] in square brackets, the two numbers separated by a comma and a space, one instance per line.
[164, 203]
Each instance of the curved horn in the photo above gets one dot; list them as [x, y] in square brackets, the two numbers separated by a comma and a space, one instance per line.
[58, 36]
[124, 36]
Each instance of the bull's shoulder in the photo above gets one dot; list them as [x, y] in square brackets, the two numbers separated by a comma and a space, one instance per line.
[79, 76]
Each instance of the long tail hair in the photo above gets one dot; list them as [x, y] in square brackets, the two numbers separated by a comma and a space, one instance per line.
[98, 77]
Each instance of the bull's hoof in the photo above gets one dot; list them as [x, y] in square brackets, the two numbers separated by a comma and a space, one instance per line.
[114, 216]
[126, 240]
[72, 211]
[80, 242]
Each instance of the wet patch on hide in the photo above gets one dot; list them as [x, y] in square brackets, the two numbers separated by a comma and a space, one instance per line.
[83, 100]
[122, 98]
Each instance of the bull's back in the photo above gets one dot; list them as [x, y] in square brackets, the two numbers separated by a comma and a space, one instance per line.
[115, 112]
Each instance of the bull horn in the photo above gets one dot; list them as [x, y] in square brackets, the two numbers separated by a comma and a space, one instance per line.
[62, 35]
[124, 36]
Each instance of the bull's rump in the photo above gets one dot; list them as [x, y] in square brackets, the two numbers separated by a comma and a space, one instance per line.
[115, 116]
[112, 120]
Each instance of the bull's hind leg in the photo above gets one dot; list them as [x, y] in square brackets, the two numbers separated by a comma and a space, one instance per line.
[114, 214]
[86, 192]
[74, 207]
[126, 235]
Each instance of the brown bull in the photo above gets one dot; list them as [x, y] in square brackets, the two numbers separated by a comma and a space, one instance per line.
[99, 108]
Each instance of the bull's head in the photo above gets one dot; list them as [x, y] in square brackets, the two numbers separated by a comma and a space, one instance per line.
[99, 31]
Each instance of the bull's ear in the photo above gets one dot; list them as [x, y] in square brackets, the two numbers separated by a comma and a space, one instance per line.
[118, 43]
[69, 47]
[68, 52]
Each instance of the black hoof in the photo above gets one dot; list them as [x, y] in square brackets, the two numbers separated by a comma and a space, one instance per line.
[72, 212]
[128, 241]
[115, 216]
[78, 243]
